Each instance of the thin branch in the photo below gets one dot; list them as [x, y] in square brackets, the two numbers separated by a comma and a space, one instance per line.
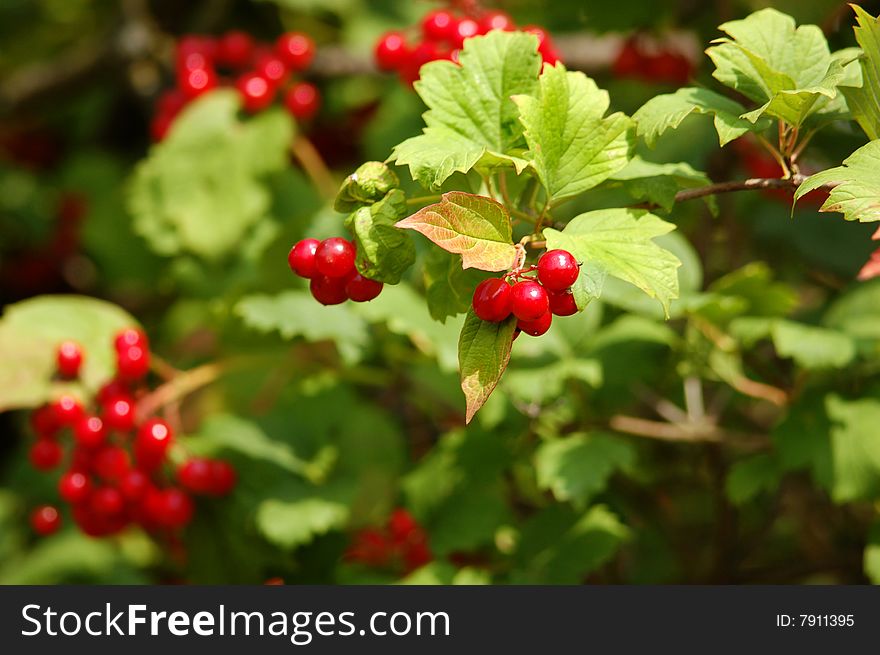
[181, 386]
[678, 433]
[313, 164]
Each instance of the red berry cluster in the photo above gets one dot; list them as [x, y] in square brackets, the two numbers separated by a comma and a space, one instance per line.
[116, 462]
[533, 302]
[442, 35]
[329, 265]
[402, 545]
[259, 71]
[643, 59]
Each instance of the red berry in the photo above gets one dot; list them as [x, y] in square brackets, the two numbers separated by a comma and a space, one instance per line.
[193, 43]
[82, 460]
[328, 290]
[67, 410]
[44, 421]
[302, 100]
[557, 270]
[629, 60]
[173, 508]
[119, 414]
[536, 327]
[256, 92]
[152, 442]
[492, 300]
[106, 501]
[45, 454]
[296, 50]
[466, 28]
[496, 20]
[195, 475]
[235, 49]
[131, 337]
[271, 68]
[362, 289]
[301, 257]
[45, 520]
[69, 358]
[539, 32]
[562, 303]
[439, 26]
[89, 432]
[111, 463]
[159, 126]
[391, 51]
[194, 83]
[132, 363]
[335, 257]
[223, 477]
[133, 485]
[170, 103]
[74, 487]
[421, 55]
[529, 300]
[401, 524]
[115, 388]
[668, 67]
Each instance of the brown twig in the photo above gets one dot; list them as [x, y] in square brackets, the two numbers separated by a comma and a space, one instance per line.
[182, 385]
[680, 433]
[314, 166]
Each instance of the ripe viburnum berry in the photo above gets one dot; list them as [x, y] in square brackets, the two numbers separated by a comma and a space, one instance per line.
[152, 442]
[133, 485]
[74, 487]
[557, 270]
[132, 363]
[115, 388]
[223, 477]
[195, 475]
[302, 100]
[391, 51]
[335, 257]
[439, 26]
[106, 501]
[174, 508]
[295, 49]
[328, 290]
[118, 413]
[45, 520]
[111, 463]
[301, 258]
[271, 68]
[496, 20]
[194, 83]
[45, 454]
[492, 300]
[466, 28]
[235, 49]
[69, 358]
[44, 421]
[256, 92]
[67, 410]
[529, 300]
[89, 432]
[536, 327]
[131, 337]
[362, 289]
[562, 303]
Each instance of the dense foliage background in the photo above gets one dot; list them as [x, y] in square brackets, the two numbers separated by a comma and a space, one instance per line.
[736, 442]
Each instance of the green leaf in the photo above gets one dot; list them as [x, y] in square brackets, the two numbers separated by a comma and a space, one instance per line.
[864, 101]
[295, 313]
[449, 288]
[579, 466]
[857, 191]
[297, 522]
[750, 476]
[30, 332]
[475, 227]
[658, 183]
[857, 313]
[483, 354]
[471, 120]
[855, 448]
[666, 112]
[572, 146]
[786, 69]
[813, 347]
[760, 295]
[547, 383]
[384, 252]
[201, 190]
[370, 183]
[872, 554]
[618, 242]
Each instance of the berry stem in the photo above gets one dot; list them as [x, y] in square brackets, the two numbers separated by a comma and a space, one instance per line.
[423, 200]
[314, 166]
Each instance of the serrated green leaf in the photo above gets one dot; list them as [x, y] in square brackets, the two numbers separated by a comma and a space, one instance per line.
[857, 313]
[619, 242]
[449, 288]
[658, 183]
[857, 191]
[384, 252]
[475, 227]
[579, 466]
[471, 120]
[855, 448]
[864, 100]
[295, 313]
[30, 332]
[370, 183]
[483, 354]
[201, 190]
[546, 383]
[293, 523]
[813, 347]
[572, 145]
[784, 68]
[666, 112]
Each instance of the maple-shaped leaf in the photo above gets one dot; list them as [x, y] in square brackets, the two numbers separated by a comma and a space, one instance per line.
[475, 227]
[864, 100]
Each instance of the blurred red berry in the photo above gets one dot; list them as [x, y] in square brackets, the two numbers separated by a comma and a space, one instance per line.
[67, 410]
[45, 454]
[256, 92]
[392, 51]
[302, 100]
[296, 50]
[68, 359]
[45, 520]
[132, 363]
[89, 432]
[131, 337]
[439, 26]
[235, 49]
[74, 487]
[118, 413]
